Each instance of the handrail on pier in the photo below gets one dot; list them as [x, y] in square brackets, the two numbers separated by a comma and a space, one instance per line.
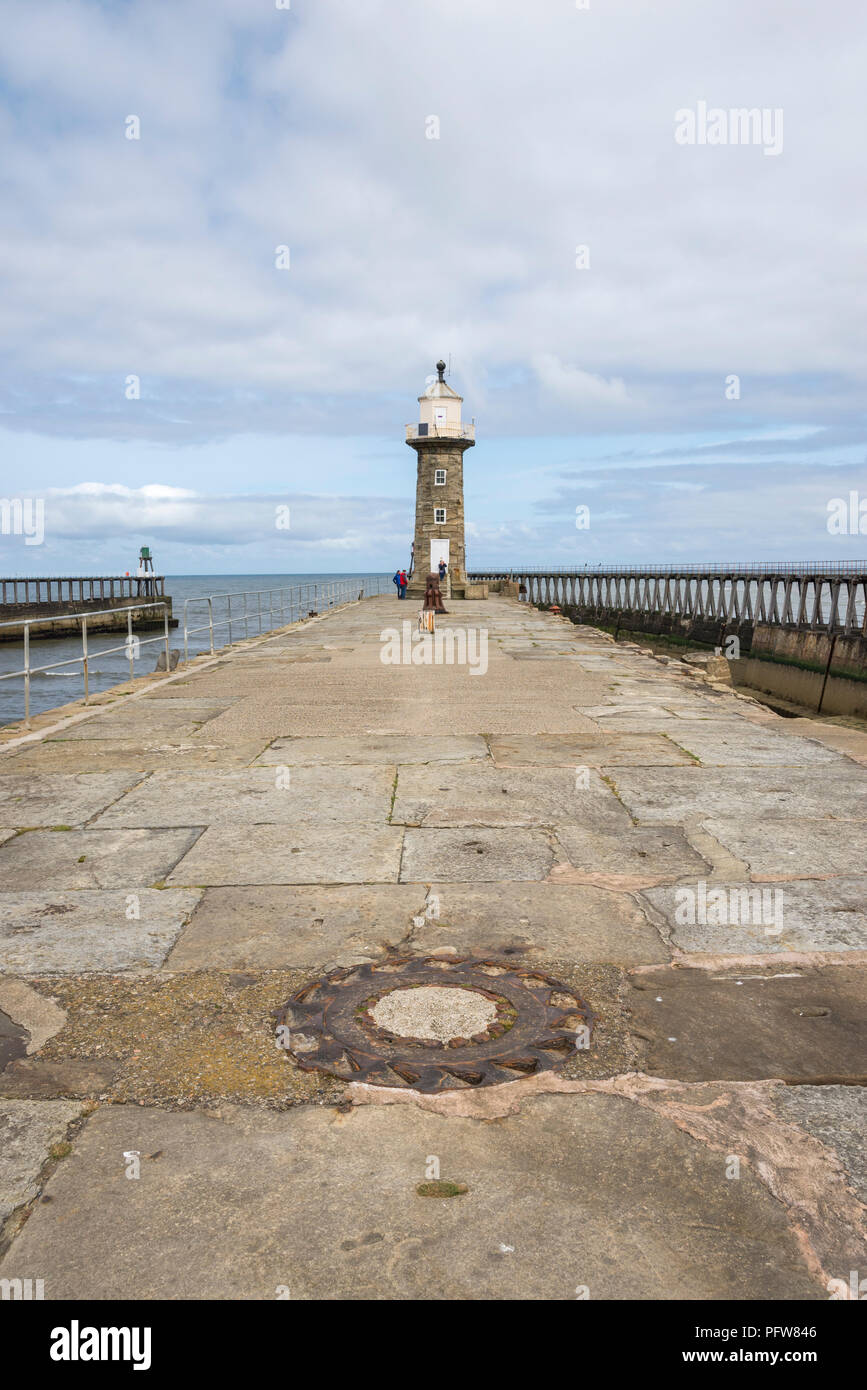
[131, 646]
[289, 603]
[295, 599]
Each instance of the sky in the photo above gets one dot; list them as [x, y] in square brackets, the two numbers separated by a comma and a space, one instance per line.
[670, 334]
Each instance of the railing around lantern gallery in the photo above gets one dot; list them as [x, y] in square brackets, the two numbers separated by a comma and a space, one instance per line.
[423, 431]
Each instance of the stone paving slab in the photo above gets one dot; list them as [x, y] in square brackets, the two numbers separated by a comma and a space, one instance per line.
[796, 1024]
[198, 704]
[147, 718]
[829, 915]
[28, 1129]
[335, 853]
[635, 858]
[530, 654]
[54, 798]
[570, 750]
[38, 1016]
[388, 749]
[793, 848]
[481, 856]
[277, 928]
[192, 691]
[539, 920]
[740, 744]
[837, 1116]
[631, 719]
[113, 754]
[670, 796]
[287, 927]
[398, 700]
[34, 1078]
[75, 932]
[519, 719]
[325, 1205]
[457, 796]
[852, 742]
[405, 715]
[256, 796]
[91, 858]
[641, 719]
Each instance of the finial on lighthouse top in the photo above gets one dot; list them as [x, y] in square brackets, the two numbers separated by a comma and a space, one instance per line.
[438, 388]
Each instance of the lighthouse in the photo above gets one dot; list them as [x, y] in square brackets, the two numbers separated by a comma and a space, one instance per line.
[440, 440]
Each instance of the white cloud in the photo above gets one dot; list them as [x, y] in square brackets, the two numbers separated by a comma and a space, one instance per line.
[306, 127]
[574, 386]
[176, 514]
[155, 491]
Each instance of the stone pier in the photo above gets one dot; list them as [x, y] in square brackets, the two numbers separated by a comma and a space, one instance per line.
[182, 861]
[54, 607]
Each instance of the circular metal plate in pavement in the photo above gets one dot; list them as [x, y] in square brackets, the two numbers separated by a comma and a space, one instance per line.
[364, 1023]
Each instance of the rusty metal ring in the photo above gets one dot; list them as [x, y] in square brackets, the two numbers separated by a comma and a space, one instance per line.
[326, 1025]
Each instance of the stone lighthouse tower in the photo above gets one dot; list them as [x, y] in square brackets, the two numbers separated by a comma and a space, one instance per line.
[440, 440]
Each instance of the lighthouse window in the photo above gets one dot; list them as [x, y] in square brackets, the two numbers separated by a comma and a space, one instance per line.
[439, 515]
[440, 477]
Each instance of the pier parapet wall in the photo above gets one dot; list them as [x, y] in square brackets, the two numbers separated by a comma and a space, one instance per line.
[809, 617]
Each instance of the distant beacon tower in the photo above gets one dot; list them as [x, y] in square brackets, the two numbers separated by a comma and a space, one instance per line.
[439, 440]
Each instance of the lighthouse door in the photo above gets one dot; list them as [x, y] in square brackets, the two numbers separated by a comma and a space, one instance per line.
[439, 550]
[440, 415]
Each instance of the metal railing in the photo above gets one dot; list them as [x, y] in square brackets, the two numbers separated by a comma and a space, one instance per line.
[809, 599]
[736, 567]
[79, 588]
[282, 606]
[131, 646]
[292, 603]
[422, 431]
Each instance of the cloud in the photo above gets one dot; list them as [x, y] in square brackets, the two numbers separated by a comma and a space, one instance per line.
[148, 492]
[307, 128]
[103, 511]
[574, 386]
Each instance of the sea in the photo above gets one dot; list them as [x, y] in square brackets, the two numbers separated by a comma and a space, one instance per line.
[58, 687]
